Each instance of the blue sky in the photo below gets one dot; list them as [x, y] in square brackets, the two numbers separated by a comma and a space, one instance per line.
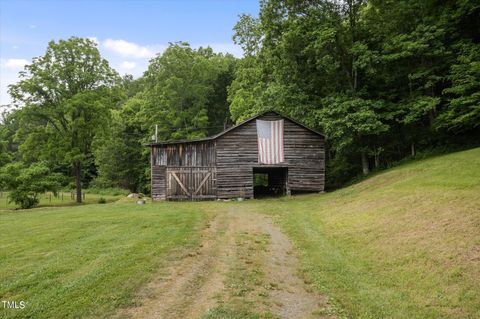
[128, 33]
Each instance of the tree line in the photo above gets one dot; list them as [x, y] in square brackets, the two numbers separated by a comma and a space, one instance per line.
[382, 79]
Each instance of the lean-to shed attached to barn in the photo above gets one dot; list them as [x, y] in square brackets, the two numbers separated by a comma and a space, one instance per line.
[266, 154]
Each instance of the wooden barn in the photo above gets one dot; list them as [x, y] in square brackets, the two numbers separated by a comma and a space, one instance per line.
[266, 154]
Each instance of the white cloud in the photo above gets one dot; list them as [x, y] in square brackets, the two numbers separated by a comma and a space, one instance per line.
[125, 48]
[32, 26]
[128, 49]
[115, 51]
[127, 65]
[15, 63]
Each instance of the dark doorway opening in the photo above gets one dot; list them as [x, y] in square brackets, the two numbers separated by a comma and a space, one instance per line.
[269, 181]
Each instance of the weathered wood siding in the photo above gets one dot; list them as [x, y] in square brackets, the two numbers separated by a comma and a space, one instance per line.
[184, 171]
[222, 167]
[185, 154]
[158, 182]
[194, 183]
[237, 154]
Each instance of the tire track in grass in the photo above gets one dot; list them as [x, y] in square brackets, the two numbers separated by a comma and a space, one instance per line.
[263, 279]
[187, 288]
[245, 267]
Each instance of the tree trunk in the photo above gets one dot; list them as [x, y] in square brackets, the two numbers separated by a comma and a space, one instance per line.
[412, 149]
[78, 181]
[431, 117]
[365, 163]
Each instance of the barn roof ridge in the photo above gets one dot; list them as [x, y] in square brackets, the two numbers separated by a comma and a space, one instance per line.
[213, 137]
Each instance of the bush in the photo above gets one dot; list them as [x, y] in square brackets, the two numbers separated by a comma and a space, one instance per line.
[102, 200]
[26, 182]
[24, 199]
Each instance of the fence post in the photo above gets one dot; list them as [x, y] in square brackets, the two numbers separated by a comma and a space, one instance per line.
[50, 198]
[62, 197]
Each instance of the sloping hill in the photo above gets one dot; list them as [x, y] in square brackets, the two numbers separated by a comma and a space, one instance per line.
[402, 244]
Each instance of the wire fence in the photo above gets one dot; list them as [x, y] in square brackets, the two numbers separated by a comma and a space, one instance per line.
[48, 198]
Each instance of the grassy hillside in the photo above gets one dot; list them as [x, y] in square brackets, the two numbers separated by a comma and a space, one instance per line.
[402, 244]
[85, 261]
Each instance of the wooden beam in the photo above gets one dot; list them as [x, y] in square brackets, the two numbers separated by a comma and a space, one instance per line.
[202, 182]
[180, 183]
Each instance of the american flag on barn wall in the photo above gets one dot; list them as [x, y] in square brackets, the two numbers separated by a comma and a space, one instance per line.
[270, 142]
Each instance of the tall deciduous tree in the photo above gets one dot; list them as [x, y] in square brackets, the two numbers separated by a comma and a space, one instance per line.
[463, 111]
[352, 123]
[124, 138]
[66, 96]
[377, 76]
[8, 128]
[185, 92]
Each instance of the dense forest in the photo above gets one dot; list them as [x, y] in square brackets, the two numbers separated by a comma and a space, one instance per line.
[382, 79]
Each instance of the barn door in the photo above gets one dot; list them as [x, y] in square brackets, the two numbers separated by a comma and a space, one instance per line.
[191, 183]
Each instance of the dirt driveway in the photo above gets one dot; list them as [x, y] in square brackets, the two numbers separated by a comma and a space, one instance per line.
[244, 267]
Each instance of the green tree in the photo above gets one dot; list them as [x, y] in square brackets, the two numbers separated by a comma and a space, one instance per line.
[185, 92]
[66, 96]
[246, 89]
[6, 138]
[352, 123]
[463, 110]
[120, 156]
[412, 64]
[247, 34]
[27, 182]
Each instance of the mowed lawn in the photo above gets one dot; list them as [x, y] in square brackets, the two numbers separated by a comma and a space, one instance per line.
[86, 261]
[62, 199]
[402, 244]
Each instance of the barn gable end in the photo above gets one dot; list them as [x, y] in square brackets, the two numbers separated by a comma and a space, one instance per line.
[223, 166]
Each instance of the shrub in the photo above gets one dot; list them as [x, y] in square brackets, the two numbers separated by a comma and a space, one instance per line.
[102, 200]
[26, 182]
[24, 199]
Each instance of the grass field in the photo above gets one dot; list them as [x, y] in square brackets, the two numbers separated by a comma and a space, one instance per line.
[404, 243]
[86, 261]
[62, 199]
